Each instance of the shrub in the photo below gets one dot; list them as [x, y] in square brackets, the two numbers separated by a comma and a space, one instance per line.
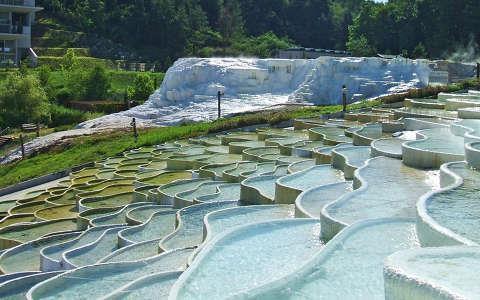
[64, 116]
[360, 46]
[97, 84]
[43, 74]
[63, 96]
[143, 87]
[23, 100]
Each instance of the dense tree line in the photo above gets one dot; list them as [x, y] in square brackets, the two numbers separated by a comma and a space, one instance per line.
[168, 29]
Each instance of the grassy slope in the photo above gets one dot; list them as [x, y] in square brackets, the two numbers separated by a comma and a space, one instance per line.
[94, 148]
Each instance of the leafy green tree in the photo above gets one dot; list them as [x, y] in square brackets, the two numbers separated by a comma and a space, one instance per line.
[97, 84]
[360, 47]
[143, 87]
[420, 51]
[69, 61]
[22, 100]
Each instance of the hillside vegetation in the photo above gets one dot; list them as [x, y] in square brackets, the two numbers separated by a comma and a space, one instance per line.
[163, 30]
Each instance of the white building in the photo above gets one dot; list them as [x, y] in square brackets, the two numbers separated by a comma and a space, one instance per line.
[16, 19]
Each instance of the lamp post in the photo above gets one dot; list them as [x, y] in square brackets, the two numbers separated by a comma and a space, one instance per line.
[134, 127]
[219, 97]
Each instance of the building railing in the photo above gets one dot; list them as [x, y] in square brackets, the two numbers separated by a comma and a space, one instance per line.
[18, 2]
[14, 29]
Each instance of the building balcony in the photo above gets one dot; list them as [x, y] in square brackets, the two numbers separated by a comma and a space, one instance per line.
[14, 31]
[19, 6]
[30, 3]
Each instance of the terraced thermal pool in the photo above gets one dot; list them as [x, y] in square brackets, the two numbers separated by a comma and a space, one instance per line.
[328, 209]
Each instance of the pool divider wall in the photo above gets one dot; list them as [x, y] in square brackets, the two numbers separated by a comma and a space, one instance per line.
[472, 154]
[429, 231]
[403, 284]
[426, 159]
[252, 195]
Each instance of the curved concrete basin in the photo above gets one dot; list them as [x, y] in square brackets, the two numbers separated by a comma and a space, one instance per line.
[27, 257]
[101, 185]
[455, 104]
[19, 287]
[379, 176]
[159, 225]
[367, 134]
[472, 155]
[445, 96]
[217, 149]
[433, 273]
[215, 171]
[233, 175]
[84, 218]
[350, 265]
[187, 162]
[188, 198]
[470, 129]
[107, 201]
[142, 214]
[260, 169]
[349, 159]
[329, 135]
[469, 113]
[118, 217]
[30, 207]
[238, 137]
[17, 234]
[109, 190]
[301, 166]
[417, 112]
[6, 205]
[450, 216]
[310, 203]
[17, 219]
[156, 286]
[223, 220]
[51, 255]
[389, 147]
[97, 281]
[164, 178]
[434, 148]
[306, 150]
[425, 103]
[253, 154]
[238, 147]
[57, 212]
[133, 252]
[269, 251]
[189, 230]
[92, 253]
[168, 191]
[288, 188]
[258, 190]
[225, 192]
[324, 155]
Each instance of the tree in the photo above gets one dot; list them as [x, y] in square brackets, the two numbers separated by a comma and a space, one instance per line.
[360, 46]
[230, 20]
[22, 100]
[69, 61]
[420, 51]
[97, 84]
[143, 87]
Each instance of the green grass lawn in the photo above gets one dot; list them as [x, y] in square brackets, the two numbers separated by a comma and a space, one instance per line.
[98, 147]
